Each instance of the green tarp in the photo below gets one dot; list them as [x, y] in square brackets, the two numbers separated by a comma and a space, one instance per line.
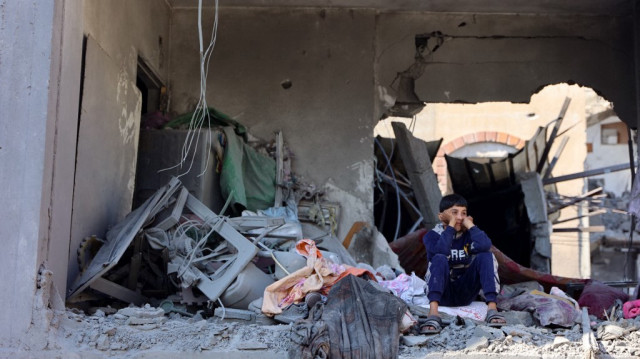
[248, 176]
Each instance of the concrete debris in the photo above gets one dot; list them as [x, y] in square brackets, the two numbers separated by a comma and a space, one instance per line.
[609, 332]
[369, 246]
[414, 340]
[113, 335]
[252, 345]
[517, 331]
[146, 312]
[477, 343]
[514, 317]
[560, 341]
[488, 332]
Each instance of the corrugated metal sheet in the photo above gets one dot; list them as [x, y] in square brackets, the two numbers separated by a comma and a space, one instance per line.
[469, 177]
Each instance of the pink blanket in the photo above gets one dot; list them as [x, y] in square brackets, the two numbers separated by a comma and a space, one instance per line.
[631, 309]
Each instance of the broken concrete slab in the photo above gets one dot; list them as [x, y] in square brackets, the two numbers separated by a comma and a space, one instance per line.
[371, 247]
[252, 345]
[415, 157]
[610, 331]
[476, 343]
[145, 312]
[514, 317]
[488, 332]
[517, 331]
[559, 341]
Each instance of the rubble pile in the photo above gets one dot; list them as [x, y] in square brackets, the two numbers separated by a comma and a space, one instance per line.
[191, 280]
[134, 330]
[619, 340]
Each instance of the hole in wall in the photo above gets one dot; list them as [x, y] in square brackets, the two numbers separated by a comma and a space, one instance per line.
[499, 209]
[286, 84]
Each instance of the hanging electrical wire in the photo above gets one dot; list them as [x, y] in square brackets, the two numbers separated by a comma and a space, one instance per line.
[200, 115]
[384, 153]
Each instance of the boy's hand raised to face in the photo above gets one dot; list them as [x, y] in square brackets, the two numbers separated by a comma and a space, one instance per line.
[447, 217]
[468, 222]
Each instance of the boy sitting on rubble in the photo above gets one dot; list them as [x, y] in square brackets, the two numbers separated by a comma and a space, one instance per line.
[460, 264]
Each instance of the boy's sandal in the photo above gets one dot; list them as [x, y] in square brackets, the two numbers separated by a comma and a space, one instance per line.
[492, 315]
[433, 321]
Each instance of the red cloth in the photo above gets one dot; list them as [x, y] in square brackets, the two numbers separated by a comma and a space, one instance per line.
[631, 309]
[599, 297]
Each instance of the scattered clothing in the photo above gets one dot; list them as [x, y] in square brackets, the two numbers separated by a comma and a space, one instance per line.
[318, 276]
[631, 309]
[548, 309]
[598, 297]
[512, 272]
[476, 311]
[409, 288]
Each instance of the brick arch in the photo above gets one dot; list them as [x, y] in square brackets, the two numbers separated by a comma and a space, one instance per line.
[440, 164]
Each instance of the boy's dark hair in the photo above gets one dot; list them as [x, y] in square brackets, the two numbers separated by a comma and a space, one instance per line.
[452, 200]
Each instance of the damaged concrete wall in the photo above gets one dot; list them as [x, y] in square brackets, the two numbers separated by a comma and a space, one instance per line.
[484, 57]
[326, 116]
[496, 57]
[25, 55]
[64, 101]
[119, 33]
[606, 154]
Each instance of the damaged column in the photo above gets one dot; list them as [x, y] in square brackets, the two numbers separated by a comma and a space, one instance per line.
[536, 204]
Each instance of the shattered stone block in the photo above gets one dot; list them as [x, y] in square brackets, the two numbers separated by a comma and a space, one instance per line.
[517, 331]
[477, 343]
[514, 317]
[560, 341]
[488, 332]
[146, 312]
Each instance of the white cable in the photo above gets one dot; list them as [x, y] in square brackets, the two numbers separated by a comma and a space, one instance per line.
[223, 310]
[201, 111]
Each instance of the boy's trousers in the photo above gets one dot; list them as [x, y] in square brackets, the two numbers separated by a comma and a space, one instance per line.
[482, 274]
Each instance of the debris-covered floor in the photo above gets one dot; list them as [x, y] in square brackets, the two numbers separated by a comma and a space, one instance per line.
[132, 332]
[251, 280]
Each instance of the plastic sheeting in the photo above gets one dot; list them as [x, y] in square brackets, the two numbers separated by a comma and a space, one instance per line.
[248, 177]
[358, 321]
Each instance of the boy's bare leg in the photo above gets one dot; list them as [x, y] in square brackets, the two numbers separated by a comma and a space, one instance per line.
[433, 308]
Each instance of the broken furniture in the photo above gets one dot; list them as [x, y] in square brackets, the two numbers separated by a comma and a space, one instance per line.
[167, 220]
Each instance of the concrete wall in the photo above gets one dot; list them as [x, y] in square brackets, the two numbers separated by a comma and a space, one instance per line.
[326, 115]
[25, 58]
[332, 56]
[605, 155]
[489, 57]
[451, 121]
[64, 101]
[119, 32]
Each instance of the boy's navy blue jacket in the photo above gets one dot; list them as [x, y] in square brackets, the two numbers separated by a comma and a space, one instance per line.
[441, 240]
